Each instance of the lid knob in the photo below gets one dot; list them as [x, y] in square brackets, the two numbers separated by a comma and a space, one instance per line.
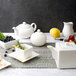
[38, 30]
[24, 23]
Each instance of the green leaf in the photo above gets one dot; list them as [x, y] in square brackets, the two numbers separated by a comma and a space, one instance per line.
[21, 47]
[2, 36]
[18, 43]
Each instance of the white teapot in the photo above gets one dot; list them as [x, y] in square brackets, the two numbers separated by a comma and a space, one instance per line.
[25, 30]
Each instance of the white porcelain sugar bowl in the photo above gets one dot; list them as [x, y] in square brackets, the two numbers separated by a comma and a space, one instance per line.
[25, 30]
[38, 38]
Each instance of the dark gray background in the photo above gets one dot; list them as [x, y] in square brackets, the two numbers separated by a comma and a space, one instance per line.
[45, 13]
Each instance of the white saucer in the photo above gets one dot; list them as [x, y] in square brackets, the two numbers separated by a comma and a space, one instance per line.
[6, 64]
[22, 59]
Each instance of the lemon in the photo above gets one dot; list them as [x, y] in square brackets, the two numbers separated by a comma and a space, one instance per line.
[55, 32]
[16, 46]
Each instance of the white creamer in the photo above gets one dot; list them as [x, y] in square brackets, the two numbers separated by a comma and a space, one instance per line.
[68, 29]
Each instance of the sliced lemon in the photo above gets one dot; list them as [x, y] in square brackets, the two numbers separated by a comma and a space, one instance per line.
[16, 46]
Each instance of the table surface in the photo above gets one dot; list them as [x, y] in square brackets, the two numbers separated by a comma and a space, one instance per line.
[49, 38]
[36, 72]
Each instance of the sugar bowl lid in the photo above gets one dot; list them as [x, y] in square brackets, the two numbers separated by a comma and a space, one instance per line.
[38, 34]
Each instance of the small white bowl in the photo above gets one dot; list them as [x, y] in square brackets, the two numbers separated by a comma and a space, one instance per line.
[8, 45]
[24, 53]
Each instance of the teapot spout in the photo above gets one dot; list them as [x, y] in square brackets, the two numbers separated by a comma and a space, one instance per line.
[15, 30]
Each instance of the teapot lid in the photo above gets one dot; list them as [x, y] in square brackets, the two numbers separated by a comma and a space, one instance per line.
[24, 25]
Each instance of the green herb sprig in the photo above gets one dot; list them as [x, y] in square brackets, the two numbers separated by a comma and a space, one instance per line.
[2, 36]
[21, 47]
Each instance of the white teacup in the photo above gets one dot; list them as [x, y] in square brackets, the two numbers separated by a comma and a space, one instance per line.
[26, 53]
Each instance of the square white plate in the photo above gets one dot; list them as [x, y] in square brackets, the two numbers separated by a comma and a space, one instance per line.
[6, 64]
[22, 59]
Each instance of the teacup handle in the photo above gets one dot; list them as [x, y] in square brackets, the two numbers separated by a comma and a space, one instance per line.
[34, 26]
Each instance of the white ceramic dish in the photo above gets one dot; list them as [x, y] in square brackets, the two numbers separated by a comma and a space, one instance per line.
[8, 45]
[6, 64]
[38, 38]
[26, 53]
[22, 59]
[64, 54]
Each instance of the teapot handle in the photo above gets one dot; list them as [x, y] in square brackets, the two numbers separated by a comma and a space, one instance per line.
[34, 26]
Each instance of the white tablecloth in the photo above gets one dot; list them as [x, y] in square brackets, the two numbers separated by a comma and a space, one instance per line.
[37, 72]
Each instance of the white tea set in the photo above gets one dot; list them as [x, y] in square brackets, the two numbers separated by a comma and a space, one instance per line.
[25, 30]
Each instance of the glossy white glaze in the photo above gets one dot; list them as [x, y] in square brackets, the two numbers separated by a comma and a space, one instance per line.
[38, 38]
[25, 30]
